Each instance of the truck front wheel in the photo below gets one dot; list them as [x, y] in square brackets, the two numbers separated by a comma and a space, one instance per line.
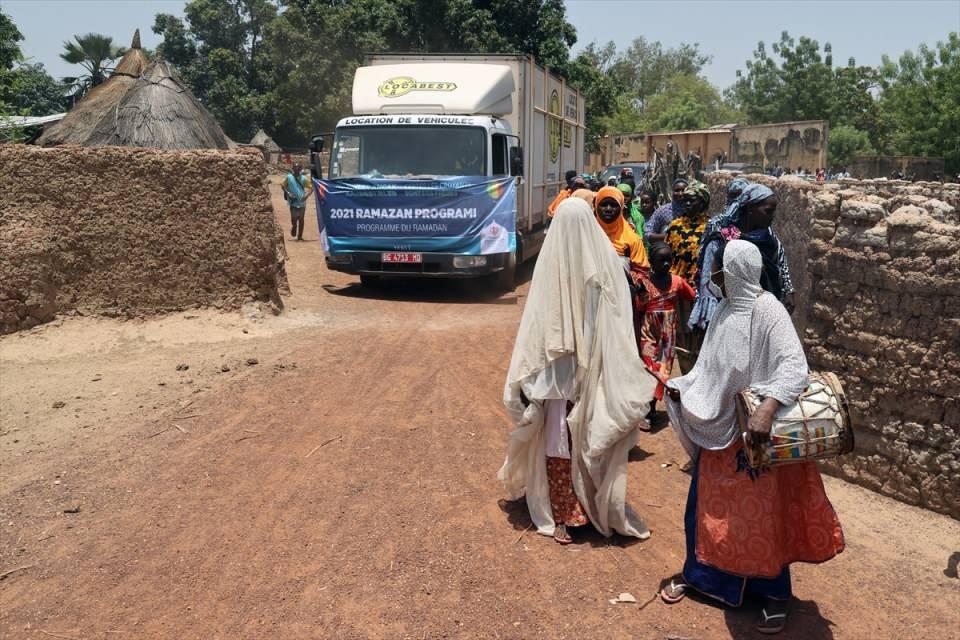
[506, 278]
[369, 281]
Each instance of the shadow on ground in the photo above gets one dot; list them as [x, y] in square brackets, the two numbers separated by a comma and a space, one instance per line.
[480, 290]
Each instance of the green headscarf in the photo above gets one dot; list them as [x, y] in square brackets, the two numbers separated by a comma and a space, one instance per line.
[697, 189]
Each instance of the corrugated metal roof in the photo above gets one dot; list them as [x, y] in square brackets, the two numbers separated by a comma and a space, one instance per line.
[29, 121]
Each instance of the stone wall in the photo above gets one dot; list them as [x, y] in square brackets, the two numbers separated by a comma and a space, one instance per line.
[877, 269]
[127, 232]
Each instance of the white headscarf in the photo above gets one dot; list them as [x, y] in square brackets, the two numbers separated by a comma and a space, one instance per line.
[576, 340]
[751, 342]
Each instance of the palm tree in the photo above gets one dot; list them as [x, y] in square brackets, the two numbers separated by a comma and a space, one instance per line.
[93, 52]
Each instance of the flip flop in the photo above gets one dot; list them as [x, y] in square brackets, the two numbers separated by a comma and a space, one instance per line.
[566, 537]
[674, 592]
[771, 623]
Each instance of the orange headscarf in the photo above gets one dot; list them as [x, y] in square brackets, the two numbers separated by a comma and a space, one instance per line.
[625, 240]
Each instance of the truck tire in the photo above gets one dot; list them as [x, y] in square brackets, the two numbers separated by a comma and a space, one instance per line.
[506, 278]
[369, 281]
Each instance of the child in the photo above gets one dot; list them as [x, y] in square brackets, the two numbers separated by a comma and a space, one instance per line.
[657, 300]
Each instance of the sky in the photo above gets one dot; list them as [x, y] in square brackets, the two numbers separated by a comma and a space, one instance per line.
[728, 30]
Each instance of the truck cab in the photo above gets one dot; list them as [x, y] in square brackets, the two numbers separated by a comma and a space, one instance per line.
[441, 129]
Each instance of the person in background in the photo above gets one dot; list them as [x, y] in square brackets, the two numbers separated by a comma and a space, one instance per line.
[734, 188]
[683, 236]
[626, 177]
[656, 225]
[657, 305]
[685, 232]
[748, 218]
[647, 203]
[563, 194]
[744, 528]
[609, 212]
[586, 195]
[821, 176]
[576, 389]
[631, 212]
[296, 191]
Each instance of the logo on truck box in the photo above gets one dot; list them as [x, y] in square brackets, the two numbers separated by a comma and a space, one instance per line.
[401, 86]
[554, 127]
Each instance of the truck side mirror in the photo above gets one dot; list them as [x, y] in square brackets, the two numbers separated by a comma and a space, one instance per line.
[316, 144]
[316, 166]
[516, 161]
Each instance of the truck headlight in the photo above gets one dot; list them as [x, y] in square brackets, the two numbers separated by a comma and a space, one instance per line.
[468, 262]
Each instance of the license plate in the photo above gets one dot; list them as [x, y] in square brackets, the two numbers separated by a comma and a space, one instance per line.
[409, 258]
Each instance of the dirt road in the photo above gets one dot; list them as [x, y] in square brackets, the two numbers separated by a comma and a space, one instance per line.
[330, 473]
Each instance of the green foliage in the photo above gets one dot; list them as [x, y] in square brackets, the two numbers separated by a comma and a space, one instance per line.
[25, 89]
[844, 143]
[798, 88]
[94, 52]
[920, 99]
[907, 107]
[587, 73]
[222, 54]
[290, 71]
[686, 102]
[10, 38]
[646, 68]
[36, 93]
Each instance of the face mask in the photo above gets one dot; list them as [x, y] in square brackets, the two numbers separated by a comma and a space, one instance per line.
[715, 290]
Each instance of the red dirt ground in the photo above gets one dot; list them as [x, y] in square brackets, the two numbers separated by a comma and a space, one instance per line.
[157, 503]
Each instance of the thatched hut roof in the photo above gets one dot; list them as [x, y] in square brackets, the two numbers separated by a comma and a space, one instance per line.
[142, 104]
[261, 139]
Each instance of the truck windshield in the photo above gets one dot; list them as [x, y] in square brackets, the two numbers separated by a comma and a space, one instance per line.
[408, 152]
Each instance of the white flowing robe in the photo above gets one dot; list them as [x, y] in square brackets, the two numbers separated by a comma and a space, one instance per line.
[576, 340]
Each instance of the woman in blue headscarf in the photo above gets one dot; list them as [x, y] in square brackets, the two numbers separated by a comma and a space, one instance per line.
[749, 214]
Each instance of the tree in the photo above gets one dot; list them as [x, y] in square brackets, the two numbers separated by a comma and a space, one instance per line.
[10, 38]
[291, 70]
[686, 102]
[921, 98]
[222, 55]
[36, 92]
[800, 87]
[94, 52]
[846, 142]
[646, 68]
[587, 73]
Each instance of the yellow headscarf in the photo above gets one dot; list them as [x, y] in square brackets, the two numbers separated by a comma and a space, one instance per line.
[625, 240]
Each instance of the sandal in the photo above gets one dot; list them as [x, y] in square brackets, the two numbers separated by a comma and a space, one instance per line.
[674, 592]
[561, 535]
[771, 623]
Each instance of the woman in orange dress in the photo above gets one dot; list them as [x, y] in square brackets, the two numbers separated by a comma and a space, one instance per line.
[745, 528]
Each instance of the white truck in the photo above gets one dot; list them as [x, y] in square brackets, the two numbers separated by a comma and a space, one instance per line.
[429, 132]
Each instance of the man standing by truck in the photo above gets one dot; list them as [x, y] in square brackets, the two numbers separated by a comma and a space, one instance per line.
[296, 191]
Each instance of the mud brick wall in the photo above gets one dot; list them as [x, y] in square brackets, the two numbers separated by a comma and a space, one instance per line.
[877, 269]
[127, 232]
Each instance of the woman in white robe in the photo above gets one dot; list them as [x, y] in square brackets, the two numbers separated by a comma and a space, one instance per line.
[577, 389]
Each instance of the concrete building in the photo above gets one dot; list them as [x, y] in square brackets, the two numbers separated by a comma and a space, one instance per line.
[789, 144]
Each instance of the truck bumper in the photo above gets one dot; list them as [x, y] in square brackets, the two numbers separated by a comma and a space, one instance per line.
[434, 265]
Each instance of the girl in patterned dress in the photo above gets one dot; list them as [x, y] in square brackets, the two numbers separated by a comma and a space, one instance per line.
[658, 296]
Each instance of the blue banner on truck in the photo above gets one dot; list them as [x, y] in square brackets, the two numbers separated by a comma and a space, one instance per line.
[466, 215]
